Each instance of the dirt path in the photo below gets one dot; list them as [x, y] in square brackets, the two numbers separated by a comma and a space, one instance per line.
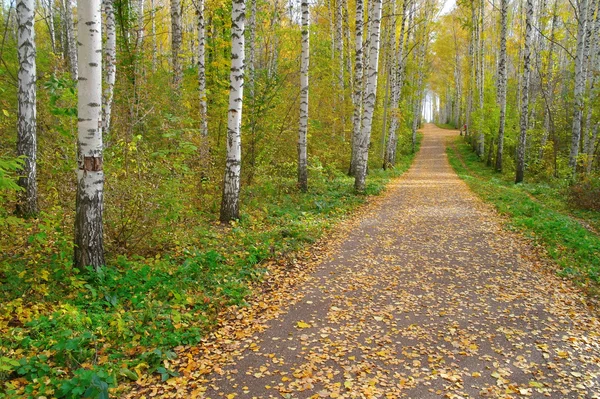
[426, 297]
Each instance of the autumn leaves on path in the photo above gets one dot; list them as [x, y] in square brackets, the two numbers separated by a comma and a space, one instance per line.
[424, 296]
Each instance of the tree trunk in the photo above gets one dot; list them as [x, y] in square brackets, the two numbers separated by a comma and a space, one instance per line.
[140, 25]
[358, 79]
[51, 29]
[154, 43]
[202, 69]
[110, 64]
[176, 39]
[525, 93]
[27, 118]
[71, 43]
[302, 134]
[369, 100]
[579, 84]
[549, 86]
[502, 83]
[89, 247]
[231, 181]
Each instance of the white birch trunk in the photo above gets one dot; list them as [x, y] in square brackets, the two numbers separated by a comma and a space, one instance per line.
[89, 247]
[27, 112]
[176, 39]
[502, 82]
[525, 92]
[140, 25]
[339, 45]
[548, 88]
[303, 130]
[251, 64]
[231, 181]
[110, 64]
[579, 90]
[71, 42]
[202, 68]
[369, 100]
[154, 43]
[51, 29]
[358, 79]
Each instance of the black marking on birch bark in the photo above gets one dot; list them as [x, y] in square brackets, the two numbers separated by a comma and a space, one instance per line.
[93, 64]
[94, 105]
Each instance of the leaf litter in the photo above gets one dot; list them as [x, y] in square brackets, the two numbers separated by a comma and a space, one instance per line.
[422, 294]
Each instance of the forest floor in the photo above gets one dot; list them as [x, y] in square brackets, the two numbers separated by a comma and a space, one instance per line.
[424, 294]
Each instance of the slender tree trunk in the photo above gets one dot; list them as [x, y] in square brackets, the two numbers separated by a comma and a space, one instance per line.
[398, 81]
[140, 25]
[89, 244]
[525, 93]
[302, 134]
[202, 69]
[110, 64]
[176, 39]
[370, 98]
[502, 82]
[579, 84]
[358, 79]
[154, 43]
[27, 112]
[251, 65]
[339, 44]
[231, 181]
[51, 29]
[549, 86]
[417, 106]
[71, 42]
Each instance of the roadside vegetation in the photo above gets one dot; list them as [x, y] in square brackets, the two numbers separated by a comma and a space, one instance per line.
[558, 214]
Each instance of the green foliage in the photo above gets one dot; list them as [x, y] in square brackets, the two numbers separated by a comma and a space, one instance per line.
[543, 212]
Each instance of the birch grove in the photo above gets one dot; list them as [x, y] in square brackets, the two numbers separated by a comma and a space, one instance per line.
[27, 110]
[89, 228]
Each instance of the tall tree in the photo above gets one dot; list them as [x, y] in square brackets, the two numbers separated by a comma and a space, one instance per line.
[580, 77]
[201, 68]
[89, 242]
[358, 86]
[176, 39]
[27, 111]
[153, 33]
[369, 99]
[525, 92]
[502, 82]
[303, 131]
[110, 63]
[231, 182]
[70, 34]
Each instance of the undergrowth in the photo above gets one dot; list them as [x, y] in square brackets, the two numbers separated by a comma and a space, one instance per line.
[542, 211]
[66, 333]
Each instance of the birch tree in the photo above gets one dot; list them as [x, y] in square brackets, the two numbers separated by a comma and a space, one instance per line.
[579, 90]
[70, 35]
[502, 82]
[523, 124]
[89, 244]
[369, 99]
[153, 32]
[231, 181]
[110, 63]
[303, 131]
[27, 112]
[176, 39]
[358, 86]
[201, 68]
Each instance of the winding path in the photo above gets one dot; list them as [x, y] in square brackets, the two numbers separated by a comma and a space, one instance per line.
[426, 296]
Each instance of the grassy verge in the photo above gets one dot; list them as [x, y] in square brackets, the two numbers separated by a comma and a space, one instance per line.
[541, 212]
[65, 333]
[445, 126]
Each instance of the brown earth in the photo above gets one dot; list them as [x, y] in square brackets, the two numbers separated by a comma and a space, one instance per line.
[424, 295]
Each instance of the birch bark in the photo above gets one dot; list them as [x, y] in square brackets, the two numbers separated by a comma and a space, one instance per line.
[153, 30]
[202, 69]
[525, 92]
[358, 79]
[302, 134]
[110, 64]
[231, 183]
[71, 42]
[579, 90]
[502, 82]
[89, 246]
[176, 39]
[370, 97]
[27, 112]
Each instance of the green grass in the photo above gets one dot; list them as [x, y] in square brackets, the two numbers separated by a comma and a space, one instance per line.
[65, 333]
[539, 210]
[445, 126]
